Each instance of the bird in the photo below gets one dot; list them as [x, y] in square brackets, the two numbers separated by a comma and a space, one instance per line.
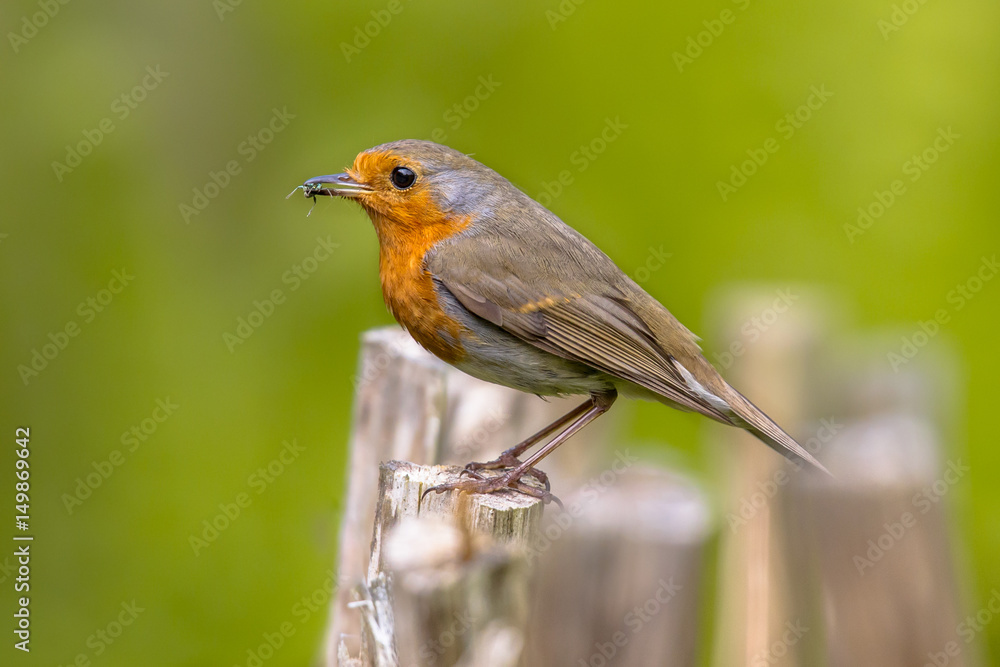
[490, 281]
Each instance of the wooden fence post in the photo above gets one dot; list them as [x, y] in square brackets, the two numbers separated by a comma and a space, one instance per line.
[618, 578]
[767, 339]
[445, 575]
[409, 406]
[883, 564]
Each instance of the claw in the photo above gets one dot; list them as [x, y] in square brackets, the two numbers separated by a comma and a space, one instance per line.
[541, 477]
[535, 492]
[506, 460]
[481, 484]
[424, 494]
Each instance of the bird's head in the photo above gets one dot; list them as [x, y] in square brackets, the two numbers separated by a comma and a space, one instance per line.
[411, 183]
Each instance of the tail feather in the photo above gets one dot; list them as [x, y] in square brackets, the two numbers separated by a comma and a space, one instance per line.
[750, 417]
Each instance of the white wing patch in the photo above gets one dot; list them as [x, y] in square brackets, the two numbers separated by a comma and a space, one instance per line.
[699, 390]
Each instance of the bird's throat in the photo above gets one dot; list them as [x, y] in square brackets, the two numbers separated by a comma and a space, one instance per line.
[407, 285]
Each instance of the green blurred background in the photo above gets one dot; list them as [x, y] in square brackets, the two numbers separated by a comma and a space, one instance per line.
[557, 75]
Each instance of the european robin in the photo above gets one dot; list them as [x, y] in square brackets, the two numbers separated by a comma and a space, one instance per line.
[495, 284]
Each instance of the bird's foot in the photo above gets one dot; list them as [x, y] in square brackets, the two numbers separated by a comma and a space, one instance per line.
[507, 460]
[479, 483]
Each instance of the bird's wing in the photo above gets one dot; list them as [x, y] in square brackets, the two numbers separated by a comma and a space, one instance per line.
[510, 286]
[528, 291]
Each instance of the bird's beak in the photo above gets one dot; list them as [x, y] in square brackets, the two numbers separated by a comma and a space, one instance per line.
[334, 185]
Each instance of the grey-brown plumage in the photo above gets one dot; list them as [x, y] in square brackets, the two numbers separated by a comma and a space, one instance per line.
[538, 306]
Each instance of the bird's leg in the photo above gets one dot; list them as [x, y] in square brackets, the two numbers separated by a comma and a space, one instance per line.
[598, 404]
[510, 457]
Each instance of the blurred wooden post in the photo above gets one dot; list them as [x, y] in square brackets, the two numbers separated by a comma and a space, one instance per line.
[879, 533]
[410, 406]
[880, 536]
[766, 340]
[619, 572]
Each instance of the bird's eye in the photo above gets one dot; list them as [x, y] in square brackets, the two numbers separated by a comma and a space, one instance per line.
[402, 178]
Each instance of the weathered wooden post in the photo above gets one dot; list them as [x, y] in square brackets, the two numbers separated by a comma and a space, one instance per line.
[851, 570]
[884, 568]
[445, 575]
[471, 580]
[767, 341]
[399, 399]
[411, 407]
[618, 578]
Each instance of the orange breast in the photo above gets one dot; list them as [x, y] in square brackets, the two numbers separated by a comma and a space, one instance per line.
[407, 287]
